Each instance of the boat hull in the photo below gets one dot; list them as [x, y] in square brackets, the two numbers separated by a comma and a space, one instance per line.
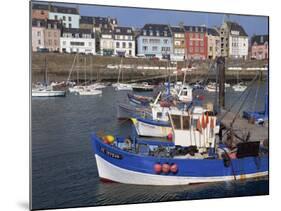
[151, 128]
[120, 166]
[125, 111]
[48, 93]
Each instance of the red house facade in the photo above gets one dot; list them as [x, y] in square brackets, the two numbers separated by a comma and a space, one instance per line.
[196, 42]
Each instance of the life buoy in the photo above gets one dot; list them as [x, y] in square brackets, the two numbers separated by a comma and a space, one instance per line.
[166, 168]
[157, 168]
[174, 168]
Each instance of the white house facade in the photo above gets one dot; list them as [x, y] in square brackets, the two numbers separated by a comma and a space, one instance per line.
[124, 41]
[238, 45]
[155, 40]
[106, 42]
[69, 16]
[77, 41]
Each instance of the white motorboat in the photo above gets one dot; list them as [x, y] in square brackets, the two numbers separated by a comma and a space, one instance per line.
[185, 93]
[88, 91]
[123, 87]
[211, 87]
[239, 87]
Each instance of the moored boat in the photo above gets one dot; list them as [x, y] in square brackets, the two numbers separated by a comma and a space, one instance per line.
[142, 87]
[193, 156]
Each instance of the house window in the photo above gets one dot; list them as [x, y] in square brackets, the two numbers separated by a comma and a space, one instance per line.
[154, 48]
[38, 34]
[55, 34]
[123, 45]
[191, 43]
[165, 34]
[165, 41]
[151, 33]
[64, 18]
[56, 17]
[201, 50]
[157, 33]
[69, 25]
[42, 12]
[196, 43]
[77, 35]
[55, 42]
[117, 45]
[39, 42]
[144, 48]
[144, 32]
[201, 43]
[130, 45]
[130, 52]
[145, 40]
[69, 18]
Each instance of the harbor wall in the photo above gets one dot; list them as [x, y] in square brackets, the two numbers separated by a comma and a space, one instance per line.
[60, 67]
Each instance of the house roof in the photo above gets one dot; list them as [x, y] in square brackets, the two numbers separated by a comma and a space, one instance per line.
[101, 20]
[74, 31]
[199, 29]
[67, 10]
[175, 29]
[106, 31]
[86, 20]
[123, 30]
[213, 32]
[155, 28]
[259, 39]
[40, 7]
[236, 27]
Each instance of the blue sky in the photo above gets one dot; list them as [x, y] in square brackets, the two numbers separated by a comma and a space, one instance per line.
[136, 17]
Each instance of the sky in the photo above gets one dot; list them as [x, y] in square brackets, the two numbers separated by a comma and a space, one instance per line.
[136, 17]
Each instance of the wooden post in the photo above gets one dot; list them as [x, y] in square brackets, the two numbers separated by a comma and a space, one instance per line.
[221, 69]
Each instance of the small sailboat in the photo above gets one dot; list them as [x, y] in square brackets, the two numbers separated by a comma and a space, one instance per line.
[122, 86]
[211, 87]
[45, 90]
[239, 87]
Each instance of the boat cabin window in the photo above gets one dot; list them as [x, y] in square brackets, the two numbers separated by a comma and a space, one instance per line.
[176, 121]
[159, 115]
[186, 122]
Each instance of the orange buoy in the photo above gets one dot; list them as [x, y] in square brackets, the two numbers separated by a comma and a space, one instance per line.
[174, 168]
[157, 168]
[203, 121]
[165, 168]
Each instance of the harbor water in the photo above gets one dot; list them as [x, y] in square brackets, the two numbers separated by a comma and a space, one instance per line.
[64, 172]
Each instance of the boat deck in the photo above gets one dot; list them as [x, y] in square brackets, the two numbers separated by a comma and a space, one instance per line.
[242, 126]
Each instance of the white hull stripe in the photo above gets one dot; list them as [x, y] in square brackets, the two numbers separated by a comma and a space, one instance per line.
[114, 173]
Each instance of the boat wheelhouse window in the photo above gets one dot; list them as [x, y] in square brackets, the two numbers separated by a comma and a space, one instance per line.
[159, 114]
[176, 121]
[186, 122]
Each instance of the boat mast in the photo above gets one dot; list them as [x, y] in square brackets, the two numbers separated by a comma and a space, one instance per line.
[45, 75]
[77, 72]
[221, 69]
[119, 71]
[85, 69]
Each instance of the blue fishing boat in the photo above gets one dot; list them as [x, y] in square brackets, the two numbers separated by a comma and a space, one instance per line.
[192, 156]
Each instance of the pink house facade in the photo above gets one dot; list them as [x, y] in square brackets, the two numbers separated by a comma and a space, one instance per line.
[38, 27]
[259, 47]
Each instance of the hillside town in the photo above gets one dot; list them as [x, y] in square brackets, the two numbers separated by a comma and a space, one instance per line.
[64, 30]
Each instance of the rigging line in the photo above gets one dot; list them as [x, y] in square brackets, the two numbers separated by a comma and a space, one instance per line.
[239, 97]
[71, 69]
[236, 115]
[254, 107]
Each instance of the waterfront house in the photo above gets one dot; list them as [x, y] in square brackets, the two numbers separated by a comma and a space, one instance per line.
[213, 43]
[124, 41]
[52, 34]
[155, 40]
[196, 42]
[38, 26]
[86, 22]
[106, 42]
[234, 40]
[40, 11]
[259, 47]
[178, 43]
[68, 15]
[77, 41]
